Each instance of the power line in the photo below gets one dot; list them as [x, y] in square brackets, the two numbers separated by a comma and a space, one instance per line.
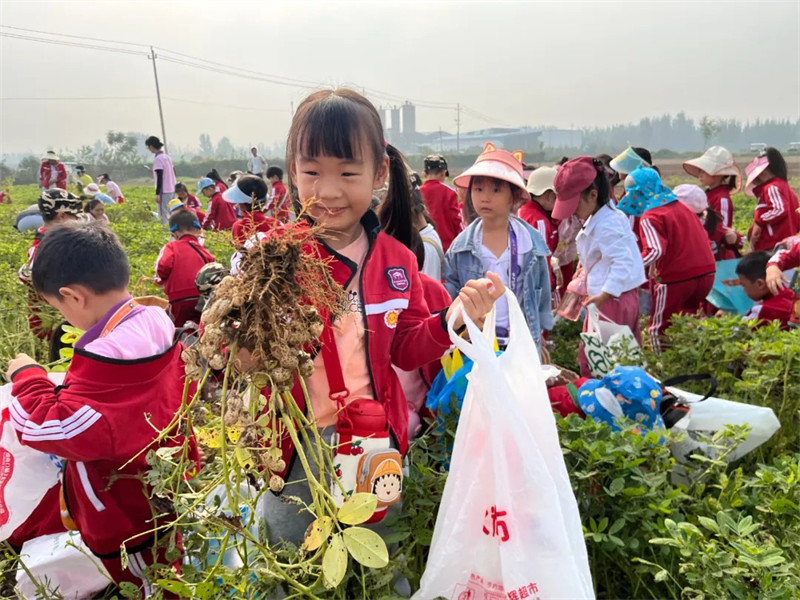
[77, 37]
[73, 44]
[48, 98]
[283, 110]
[233, 71]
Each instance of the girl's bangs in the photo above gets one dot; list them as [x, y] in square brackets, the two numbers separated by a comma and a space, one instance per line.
[335, 127]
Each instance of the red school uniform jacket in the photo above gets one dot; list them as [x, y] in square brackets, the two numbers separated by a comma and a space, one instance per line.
[44, 175]
[534, 215]
[719, 200]
[177, 266]
[220, 215]
[776, 213]
[674, 244]
[279, 202]
[442, 204]
[250, 224]
[102, 416]
[398, 325]
[787, 259]
[775, 308]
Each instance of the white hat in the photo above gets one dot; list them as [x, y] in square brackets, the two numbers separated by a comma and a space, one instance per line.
[50, 155]
[715, 161]
[92, 189]
[692, 196]
[541, 180]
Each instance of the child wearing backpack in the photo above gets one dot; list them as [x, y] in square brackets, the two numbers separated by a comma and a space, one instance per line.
[336, 159]
[177, 266]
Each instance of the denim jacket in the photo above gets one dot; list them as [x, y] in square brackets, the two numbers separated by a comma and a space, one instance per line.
[463, 262]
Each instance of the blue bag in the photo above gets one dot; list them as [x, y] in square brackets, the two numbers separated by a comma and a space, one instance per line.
[727, 293]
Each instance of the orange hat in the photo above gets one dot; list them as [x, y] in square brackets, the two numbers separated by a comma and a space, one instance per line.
[497, 163]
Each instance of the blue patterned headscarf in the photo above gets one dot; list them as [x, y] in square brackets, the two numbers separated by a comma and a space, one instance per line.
[646, 192]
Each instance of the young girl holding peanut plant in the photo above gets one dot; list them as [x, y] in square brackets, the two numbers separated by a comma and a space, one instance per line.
[337, 158]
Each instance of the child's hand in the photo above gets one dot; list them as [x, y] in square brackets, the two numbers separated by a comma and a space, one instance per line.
[775, 279]
[477, 298]
[19, 361]
[755, 233]
[731, 237]
[598, 300]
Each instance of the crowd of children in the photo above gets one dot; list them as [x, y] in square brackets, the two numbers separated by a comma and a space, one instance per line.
[426, 255]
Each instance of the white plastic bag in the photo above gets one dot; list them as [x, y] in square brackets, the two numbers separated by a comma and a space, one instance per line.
[25, 474]
[601, 340]
[714, 414]
[64, 563]
[508, 524]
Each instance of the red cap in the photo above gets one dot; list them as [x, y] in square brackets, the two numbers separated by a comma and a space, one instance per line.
[572, 178]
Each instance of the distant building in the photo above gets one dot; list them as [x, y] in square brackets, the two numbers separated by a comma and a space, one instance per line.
[562, 138]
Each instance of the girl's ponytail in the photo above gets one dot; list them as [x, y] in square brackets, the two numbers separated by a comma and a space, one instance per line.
[601, 183]
[395, 213]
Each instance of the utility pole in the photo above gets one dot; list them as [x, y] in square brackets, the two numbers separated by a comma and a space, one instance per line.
[458, 128]
[158, 95]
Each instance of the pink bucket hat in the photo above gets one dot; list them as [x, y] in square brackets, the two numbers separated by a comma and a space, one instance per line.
[692, 196]
[497, 163]
[715, 161]
[753, 170]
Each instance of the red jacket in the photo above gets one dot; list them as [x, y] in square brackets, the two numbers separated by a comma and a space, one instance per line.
[279, 202]
[249, 225]
[719, 200]
[192, 202]
[775, 308]
[177, 266]
[787, 259]
[106, 412]
[674, 244]
[389, 283]
[44, 175]
[220, 215]
[532, 213]
[776, 213]
[442, 204]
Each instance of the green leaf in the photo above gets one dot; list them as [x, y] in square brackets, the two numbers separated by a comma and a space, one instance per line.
[334, 562]
[784, 506]
[634, 491]
[661, 575]
[205, 590]
[708, 523]
[366, 547]
[616, 486]
[317, 533]
[616, 526]
[130, 590]
[357, 508]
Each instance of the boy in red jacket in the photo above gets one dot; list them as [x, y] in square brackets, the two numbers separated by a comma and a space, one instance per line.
[124, 385]
[278, 198]
[441, 200]
[177, 265]
[538, 214]
[220, 215]
[778, 306]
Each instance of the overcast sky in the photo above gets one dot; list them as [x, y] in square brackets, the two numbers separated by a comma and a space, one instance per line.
[515, 63]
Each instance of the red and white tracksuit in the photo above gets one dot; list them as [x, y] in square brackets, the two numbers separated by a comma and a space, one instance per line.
[106, 412]
[251, 223]
[220, 215]
[176, 268]
[776, 213]
[719, 200]
[677, 255]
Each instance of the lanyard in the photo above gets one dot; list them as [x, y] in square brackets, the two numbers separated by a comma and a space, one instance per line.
[119, 316]
[514, 268]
